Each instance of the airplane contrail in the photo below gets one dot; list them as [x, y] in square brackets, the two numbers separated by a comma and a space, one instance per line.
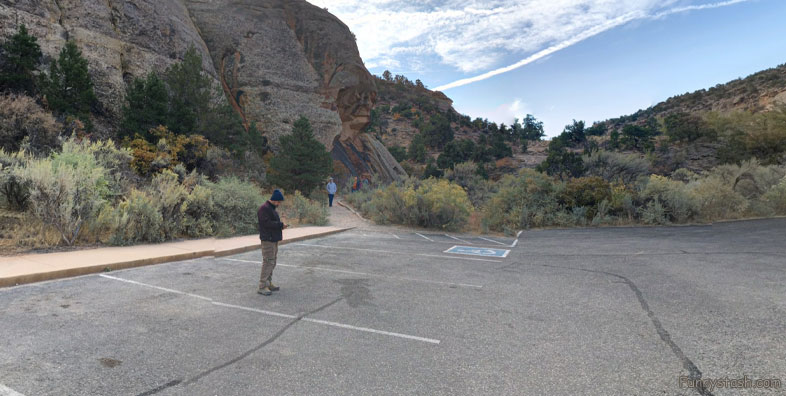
[621, 20]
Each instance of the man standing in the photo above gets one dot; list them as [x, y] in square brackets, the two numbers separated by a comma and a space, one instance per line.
[270, 227]
[331, 189]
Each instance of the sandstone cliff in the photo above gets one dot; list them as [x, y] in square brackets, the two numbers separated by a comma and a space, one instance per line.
[275, 60]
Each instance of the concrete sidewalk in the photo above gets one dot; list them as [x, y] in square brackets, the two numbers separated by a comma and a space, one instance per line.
[17, 270]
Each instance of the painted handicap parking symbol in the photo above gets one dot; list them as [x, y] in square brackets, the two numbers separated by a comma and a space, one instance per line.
[476, 251]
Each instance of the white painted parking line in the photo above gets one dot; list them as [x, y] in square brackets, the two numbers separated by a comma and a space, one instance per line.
[397, 237]
[519, 233]
[270, 313]
[6, 391]
[262, 311]
[458, 239]
[423, 236]
[362, 274]
[491, 240]
[514, 243]
[366, 329]
[155, 287]
[392, 252]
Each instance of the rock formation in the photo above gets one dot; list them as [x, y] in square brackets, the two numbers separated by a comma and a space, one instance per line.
[275, 59]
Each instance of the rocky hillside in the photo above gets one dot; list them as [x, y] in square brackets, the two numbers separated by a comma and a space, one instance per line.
[759, 92]
[275, 60]
[406, 109]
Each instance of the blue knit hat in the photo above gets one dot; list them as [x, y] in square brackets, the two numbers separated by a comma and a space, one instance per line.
[277, 196]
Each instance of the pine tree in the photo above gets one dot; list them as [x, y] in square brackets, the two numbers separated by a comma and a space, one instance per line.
[190, 94]
[21, 54]
[197, 106]
[69, 89]
[146, 108]
[303, 162]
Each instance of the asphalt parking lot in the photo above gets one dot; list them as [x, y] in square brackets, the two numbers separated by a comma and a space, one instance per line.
[612, 311]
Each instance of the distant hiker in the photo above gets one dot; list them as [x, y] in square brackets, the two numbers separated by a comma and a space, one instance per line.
[356, 185]
[270, 227]
[365, 183]
[331, 189]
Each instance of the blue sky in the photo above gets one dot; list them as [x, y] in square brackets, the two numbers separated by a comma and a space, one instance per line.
[565, 59]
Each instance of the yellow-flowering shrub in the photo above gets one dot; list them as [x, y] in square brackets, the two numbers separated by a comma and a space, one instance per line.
[303, 210]
[428, 203]
[526, 200]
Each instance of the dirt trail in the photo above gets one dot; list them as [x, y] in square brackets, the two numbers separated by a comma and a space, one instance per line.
[343, 217]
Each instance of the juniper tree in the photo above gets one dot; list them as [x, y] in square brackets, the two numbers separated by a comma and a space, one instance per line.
[146, 107]
[303, 163]
[191, 92]
[21, 55]
[68, 88]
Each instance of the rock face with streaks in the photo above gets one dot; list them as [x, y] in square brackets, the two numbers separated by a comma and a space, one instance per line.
[275, 59]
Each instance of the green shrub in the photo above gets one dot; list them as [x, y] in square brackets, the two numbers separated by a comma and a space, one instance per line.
[687, 127]
[776, 197]
[15, 192]
[749, 178]
[684, 175]
[360, 200]
[116, 161]
[478, 189]
[586, 193]
[616, 167]
[66, 190]
[674, 197]
[198, 213]
[236, 204]
[653, 213]
[622, 201]
[135, 219]
[304, 210]
[170, 195]
[717, 199]
[398, 152]
[602, 214]
[526, 200]
[428, 203]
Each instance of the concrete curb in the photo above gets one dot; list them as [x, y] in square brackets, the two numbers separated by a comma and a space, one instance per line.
[707, 224]
[79, 271]
[86, 270]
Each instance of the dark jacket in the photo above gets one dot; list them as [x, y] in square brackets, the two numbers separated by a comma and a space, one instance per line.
[270, 224]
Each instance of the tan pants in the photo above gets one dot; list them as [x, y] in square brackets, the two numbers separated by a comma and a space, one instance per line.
[269, 253]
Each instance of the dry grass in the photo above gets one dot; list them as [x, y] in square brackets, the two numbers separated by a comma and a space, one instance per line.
[21, 232]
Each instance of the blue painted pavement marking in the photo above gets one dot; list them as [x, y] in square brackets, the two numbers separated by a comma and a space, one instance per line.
[478, 251]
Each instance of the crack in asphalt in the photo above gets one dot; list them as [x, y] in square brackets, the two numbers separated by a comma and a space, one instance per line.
[160, 388]
[695, 373]
[242, 356]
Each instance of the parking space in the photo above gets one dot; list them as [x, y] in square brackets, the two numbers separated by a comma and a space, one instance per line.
[611, 311]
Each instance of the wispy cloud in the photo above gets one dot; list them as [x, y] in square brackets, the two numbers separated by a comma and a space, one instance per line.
[471, 36]
[580, 37]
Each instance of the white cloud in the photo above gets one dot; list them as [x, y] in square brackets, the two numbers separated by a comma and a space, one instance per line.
[506, 112]
[580, 37]
[475, 35]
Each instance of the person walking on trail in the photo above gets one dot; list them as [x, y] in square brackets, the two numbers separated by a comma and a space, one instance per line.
[356, 184]
[270, 227]
[331, 190]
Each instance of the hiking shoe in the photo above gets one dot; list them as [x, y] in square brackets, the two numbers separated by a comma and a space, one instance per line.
[265, 291]
[273, 287]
